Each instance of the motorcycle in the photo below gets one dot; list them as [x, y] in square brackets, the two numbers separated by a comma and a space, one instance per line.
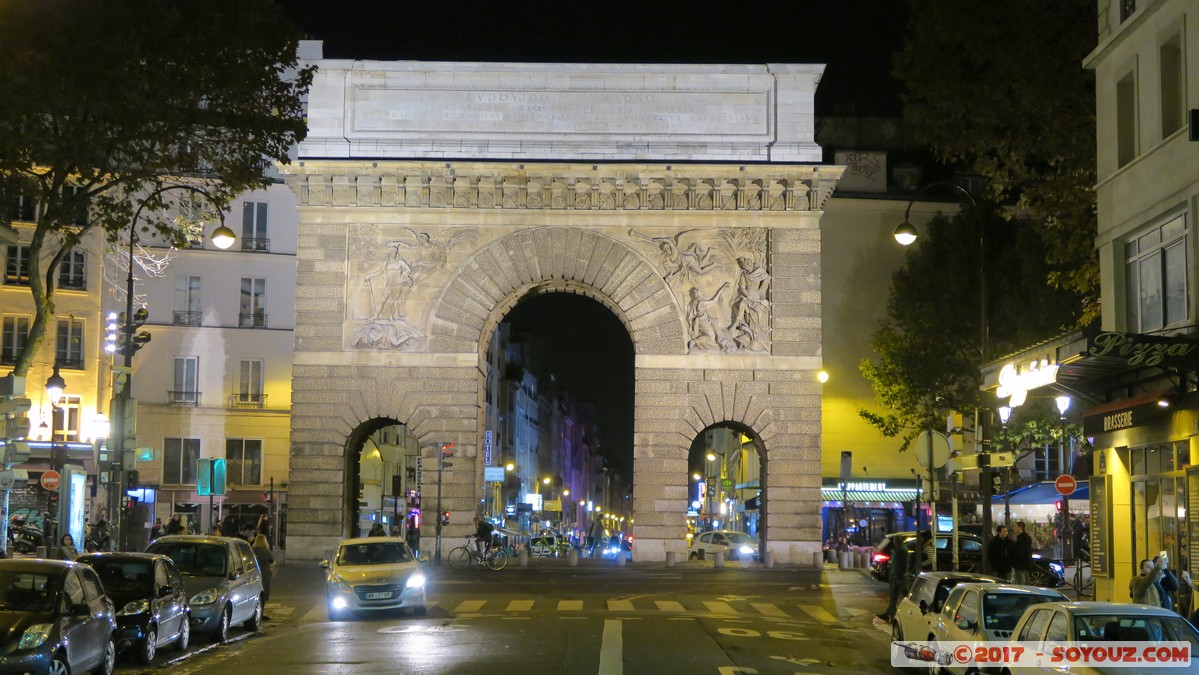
[25, 537]
[99, 537]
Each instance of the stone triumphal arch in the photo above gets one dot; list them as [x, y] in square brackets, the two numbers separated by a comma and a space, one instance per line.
[685, 199]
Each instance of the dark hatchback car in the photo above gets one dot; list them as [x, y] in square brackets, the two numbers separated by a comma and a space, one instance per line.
[150, 600]
[1045, 572]
[54, 619]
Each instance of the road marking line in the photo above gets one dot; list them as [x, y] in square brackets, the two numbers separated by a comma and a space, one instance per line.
[520, 606]
[570, 605]
[469, 606]
[620, 605]
[315, 614]
[768, 609]
[819, 613]
[718, 607]
[572, 618]
[611, 660]
[669, 606]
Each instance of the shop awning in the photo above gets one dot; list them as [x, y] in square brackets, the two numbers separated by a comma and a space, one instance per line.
[1044, 493]
[900, 495]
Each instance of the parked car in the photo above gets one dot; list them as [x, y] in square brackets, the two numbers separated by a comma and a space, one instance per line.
[986, 612]
[735, 545]
[371, 574]
[1072, 623]
[150, 598]
[222, 580]
[1045, 572]
[916, 615]
[56, 619]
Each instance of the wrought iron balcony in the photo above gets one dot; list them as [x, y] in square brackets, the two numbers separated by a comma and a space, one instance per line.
[253, 320]
[184, 398]
[255, 244]
[187, 318]
[247, 401]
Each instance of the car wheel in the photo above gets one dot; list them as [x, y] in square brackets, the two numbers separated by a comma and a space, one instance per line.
[222, 628]
[110, 660]
[253, 623]
[148, 648]
[896, 632]
[185, 634]
[1038, 577]
[58, 666]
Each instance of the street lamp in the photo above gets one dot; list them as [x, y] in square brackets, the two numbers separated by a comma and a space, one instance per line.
[906, 234]
[1063, 404]
[1005, 414]
[55, 386]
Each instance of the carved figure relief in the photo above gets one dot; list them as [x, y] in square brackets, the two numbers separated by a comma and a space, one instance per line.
[750, 308]
[701, 320]
[684, 262]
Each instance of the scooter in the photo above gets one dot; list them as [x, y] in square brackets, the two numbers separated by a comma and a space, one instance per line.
[25, 537]
[99, 538]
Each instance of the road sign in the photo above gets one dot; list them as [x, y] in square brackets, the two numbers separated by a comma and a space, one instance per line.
[493, 474]
[51, 480]
[1065, 485]
[931, 445]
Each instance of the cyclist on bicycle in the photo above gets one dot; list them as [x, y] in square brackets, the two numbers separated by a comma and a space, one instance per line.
[483, 531]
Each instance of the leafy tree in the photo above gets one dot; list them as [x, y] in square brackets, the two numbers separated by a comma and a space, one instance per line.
[106, 103]
[998, 88]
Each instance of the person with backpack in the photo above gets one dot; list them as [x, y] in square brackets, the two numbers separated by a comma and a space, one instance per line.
[483, 531]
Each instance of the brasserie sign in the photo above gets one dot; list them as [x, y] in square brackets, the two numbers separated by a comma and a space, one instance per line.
[1144, 350]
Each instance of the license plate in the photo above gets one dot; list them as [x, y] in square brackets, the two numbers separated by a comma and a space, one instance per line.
[378, 596]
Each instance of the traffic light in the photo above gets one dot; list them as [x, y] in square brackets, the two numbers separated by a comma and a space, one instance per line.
[128, 340]
[1058, 505]
[445, 519]
[131, 480]
[446, 450]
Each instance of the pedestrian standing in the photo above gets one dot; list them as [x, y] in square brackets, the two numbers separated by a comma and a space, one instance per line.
[1021, 555]
[897, 578]
[999, 554]
[594, 534]
[66, 548]
[1142, 589]
[266, 564]
[156, 529]
[174, 525]
[1167, 585]
[413, 535]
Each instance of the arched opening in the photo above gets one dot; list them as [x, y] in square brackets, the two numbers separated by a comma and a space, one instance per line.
[726, 470]
[383, 479]
[559, 415]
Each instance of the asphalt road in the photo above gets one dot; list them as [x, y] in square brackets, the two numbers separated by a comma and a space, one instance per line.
[551, 618]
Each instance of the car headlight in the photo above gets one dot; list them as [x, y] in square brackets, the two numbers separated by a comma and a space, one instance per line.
[415, 581]
[336, 583]
[206, 597]
[1056, 567]
[135, 607]
[34, 636]
[745, 550]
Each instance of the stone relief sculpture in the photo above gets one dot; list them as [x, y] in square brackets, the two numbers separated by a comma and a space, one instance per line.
[387, 285]
[734, 259]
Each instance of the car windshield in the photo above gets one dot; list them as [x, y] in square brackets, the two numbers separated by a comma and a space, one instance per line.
[124, 576]
[27, 591]
[739, 538]
[194, 559]
[1002, 611]
[1135, 628]
[374, 553]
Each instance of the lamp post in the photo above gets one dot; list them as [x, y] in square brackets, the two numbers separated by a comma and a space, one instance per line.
[710, 490]
[55, 386]
[222, 238]
[906, 234]
[1005, 414]
[1063, 404]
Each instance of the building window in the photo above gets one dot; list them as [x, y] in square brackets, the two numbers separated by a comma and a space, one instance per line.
[249, 386]
[1158, 499]
[1127, 9]
[16, 265]
[1173, 97]
[253, 303]
[179, 457]
[21, 208]
[184, 392]
[72, 192]
[188, 311]
[1156, 277]
[72, 271]
[66, 419]
[16, 332]
[68, 352]
[1126, 119]
[244, 457]
[253, 227]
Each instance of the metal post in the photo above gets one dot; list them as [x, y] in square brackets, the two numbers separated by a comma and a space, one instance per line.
[437, 527]
[953, 492]
[932, 500]
[50, 522]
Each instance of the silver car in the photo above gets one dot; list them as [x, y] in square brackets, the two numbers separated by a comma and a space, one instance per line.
[986, 612]
[223, 582]
[373, 573]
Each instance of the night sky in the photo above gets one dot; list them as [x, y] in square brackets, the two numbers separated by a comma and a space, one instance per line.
[586, 346]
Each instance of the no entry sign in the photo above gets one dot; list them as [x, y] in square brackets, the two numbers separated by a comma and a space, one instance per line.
[1065, 485]
[51, 480]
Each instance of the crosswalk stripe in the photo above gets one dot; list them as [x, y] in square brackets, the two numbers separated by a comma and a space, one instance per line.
[669, 606]
[719, 607]
[819, 613]
[767, 609]
[620, 606]
[314, 614]
[520, 605]
[570, 605]
[469, 606]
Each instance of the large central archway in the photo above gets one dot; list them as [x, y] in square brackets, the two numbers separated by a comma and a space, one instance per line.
[406, 267]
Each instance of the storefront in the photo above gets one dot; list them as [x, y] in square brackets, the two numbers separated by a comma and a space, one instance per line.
[875, 509]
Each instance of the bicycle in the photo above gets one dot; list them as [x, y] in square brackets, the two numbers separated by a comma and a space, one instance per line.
[1084, 583]
[493, 558]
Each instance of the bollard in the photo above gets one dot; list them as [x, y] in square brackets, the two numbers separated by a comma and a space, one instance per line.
[818, 559]
[670, 558]
[573, 557]
[857, 560]
[522, 558]
[768, 560]
[620, 558]
[843, 563]
[718, 560]
[830, 555]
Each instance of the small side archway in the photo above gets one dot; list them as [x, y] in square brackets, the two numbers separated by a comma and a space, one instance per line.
[727, 467]
[379, 454]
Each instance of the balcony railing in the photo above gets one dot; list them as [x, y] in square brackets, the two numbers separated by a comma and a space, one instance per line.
[247, 401]
[187, 318]
[255, 320]
[255, 244]
[191, 398]
[66, 363]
